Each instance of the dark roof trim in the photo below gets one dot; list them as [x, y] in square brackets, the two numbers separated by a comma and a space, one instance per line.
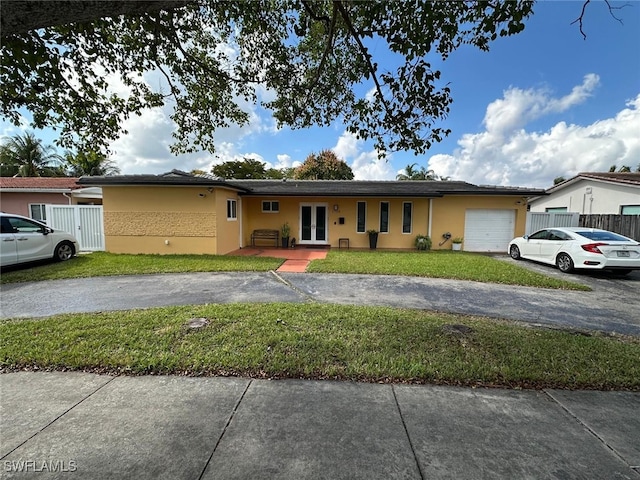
[315, 188]
[620, 178]
[175, 178]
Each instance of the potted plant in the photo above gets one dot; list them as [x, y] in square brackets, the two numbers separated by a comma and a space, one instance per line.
[373, 239]
[456, 243]
[285, 231]
[423, 242]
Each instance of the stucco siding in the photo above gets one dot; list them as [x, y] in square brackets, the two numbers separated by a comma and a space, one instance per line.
[161, 220]
[155, 219]
[345, 208]
[159, 245]
[169, 224]
[18, 202]
[604, 198]
[228, 230]
[448, 215]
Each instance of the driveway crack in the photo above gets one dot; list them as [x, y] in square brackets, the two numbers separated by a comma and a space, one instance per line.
[406, 431]
[60, 416]
[299, 291]
[590, 430]
[224, 430]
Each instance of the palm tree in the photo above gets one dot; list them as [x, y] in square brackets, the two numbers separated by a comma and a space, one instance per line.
[622, 169]
[410, 173]
[90, 164]
[25, 156]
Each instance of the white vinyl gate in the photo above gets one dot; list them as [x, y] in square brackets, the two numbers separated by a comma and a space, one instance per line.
[85, 222]
[539, 220]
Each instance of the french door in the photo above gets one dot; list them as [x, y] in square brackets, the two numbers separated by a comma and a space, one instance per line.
[313, 223]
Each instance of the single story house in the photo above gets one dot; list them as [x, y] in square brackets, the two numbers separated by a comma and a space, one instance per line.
[593, 194]
[178, 212]
[28, 196]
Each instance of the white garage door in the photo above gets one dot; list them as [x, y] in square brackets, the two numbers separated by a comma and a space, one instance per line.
[488, 230]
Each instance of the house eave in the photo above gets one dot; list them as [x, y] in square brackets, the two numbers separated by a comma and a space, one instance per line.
[36, 190]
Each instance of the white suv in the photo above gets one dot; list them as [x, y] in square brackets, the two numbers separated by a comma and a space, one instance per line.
[25, 240]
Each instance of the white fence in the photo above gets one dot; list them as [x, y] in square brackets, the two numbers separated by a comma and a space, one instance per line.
[85, 222]
[538, 220]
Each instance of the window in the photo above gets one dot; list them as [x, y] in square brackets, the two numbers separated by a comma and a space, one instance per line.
[384, 217]
[603, 236]
[407, 210]
[558, 235]
[24, 226]
[541, 235]
[38, 212]
[555, 209]
[270, 206]
[629, 209]
[232, 209]
[361, 223]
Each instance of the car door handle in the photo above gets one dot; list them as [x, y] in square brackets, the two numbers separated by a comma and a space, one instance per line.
[9, 240]
[23, 239]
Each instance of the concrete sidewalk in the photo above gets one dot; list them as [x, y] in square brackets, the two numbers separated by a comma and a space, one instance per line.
[78, 425]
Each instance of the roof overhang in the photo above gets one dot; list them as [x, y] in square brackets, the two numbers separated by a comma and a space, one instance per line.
[313, 188]
[36, 190]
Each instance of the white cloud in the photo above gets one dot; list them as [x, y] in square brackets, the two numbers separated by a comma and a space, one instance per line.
[507, 154]
[518, 107]
[365, 165]
[146, 146]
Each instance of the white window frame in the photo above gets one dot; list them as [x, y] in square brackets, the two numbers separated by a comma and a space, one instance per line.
[271, 204]
[388, 217]
[634, 207]
[410, 220]
[364, 223]
[43, 212]
[232, 209]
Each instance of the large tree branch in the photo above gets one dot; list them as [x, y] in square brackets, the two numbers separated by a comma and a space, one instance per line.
[365, 53]
[327, 49]
[584, 9]
[21, 16]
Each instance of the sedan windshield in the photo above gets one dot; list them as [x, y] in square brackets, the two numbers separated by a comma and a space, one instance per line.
[607, 236]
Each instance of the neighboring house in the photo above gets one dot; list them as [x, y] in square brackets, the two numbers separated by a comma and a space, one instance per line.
[593, 194]
[179, 212]
[28, 196]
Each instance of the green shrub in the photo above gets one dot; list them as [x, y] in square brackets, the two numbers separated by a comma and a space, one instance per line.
[423, 242]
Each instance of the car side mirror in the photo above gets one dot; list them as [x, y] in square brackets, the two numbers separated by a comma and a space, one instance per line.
[526, 237]
[46, 231]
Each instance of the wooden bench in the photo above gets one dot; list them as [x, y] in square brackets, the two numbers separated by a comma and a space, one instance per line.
[265, 235]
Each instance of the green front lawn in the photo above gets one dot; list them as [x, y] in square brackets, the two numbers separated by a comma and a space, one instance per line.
[373, 344]
[437, 264]
[445, 264]
[100, 264]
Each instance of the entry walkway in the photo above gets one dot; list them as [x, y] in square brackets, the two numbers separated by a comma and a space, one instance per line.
[296, 259]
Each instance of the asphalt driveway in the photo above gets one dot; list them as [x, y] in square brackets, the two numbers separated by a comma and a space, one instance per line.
[612, 306]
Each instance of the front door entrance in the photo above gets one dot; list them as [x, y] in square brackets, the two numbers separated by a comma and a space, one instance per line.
[313, 223]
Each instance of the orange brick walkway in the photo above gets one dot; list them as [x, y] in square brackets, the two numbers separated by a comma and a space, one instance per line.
[296, 259]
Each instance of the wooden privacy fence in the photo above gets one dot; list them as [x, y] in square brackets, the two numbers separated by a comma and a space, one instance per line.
[627, 225]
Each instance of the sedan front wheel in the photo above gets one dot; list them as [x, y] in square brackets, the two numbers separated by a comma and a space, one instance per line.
[564, 263]
[514, 252]
[64, 251]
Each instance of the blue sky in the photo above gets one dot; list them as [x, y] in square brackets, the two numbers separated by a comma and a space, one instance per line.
[538, 105]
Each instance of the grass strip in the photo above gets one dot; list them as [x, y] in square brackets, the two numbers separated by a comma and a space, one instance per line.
[317, 341]
[437, 264]
[99, 264]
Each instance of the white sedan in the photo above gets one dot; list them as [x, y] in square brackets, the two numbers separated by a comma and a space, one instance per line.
[25, 240]
[578, 247]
